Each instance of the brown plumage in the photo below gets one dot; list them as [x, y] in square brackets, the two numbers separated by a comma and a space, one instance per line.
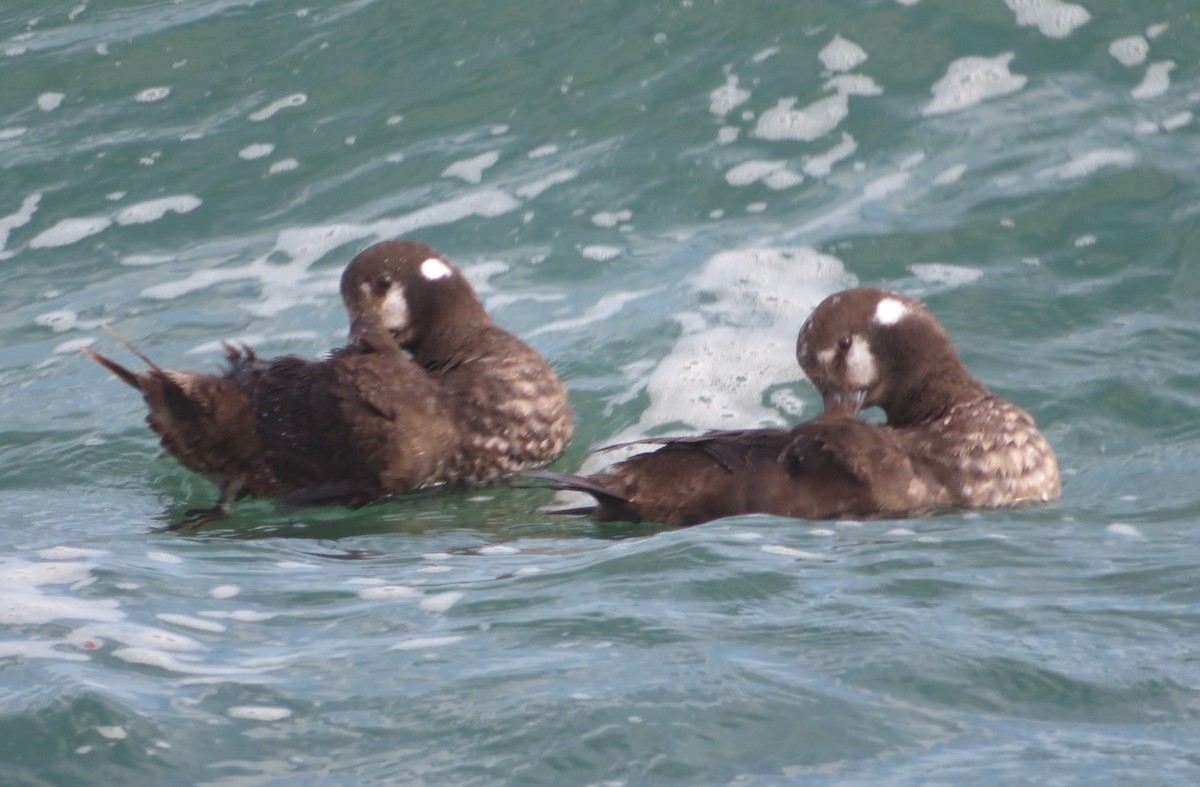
[948, 442]
[428, 391]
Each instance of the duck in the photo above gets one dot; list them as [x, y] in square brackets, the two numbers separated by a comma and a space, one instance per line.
[948, 443]
[428, 391]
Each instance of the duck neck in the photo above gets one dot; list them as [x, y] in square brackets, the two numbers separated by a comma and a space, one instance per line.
[933, 398]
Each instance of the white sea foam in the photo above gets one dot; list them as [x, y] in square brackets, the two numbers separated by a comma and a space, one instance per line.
[822, 164]
[137, 635]
[187, 621]
[283, 165]
[425, 643]
[1177, 121]
[440, 602]
[63, 320]
[783, 179]
[47, 102]
[1084, 164]
[535, 188]
[799, 554]
[609, 304]
[805, 124]
[287, 283]
[258, 712]
[727, 97]
[155, 209]
[841, 54]
[752, 171]
[942, 273]
[18, 219]
[294, 100]
[950, 175]
[972, 80]
[22, 603]
[152, 94]
[611, 218]
[257, 150]
[388, 593]
[751, 305]
[542, 151]
[601, 253]
[38, 649]
[68, 231]
[471, 170]
[853, 85]
[72, 346]
[12, 132]
[164, 557]
[499, 549]
[1054, 18]
[224, 591]
[1126, 530]
[1156, 82]
[70, 553]
[1130, 50]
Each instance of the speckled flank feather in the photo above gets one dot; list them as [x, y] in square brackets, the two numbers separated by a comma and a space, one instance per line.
[428, 391]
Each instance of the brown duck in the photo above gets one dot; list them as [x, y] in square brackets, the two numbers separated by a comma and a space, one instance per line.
[948, 442]
[428, 391]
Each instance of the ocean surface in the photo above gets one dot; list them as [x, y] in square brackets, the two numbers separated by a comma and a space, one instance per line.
[654, 194]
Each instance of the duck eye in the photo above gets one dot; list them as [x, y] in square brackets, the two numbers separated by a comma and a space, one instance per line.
[845, 342]
[383, 282]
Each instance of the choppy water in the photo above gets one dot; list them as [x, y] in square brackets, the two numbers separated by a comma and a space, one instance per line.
[655, 193]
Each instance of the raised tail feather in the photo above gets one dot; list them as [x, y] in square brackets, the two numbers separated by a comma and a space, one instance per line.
[121, 373]
[175, 398]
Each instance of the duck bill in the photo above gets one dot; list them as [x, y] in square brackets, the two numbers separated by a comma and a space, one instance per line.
[839, 402]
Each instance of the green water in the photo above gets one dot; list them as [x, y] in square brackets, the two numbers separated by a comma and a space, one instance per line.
[654, 194]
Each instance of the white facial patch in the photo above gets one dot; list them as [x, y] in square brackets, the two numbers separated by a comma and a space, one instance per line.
[826, 356]
[890, 311]
[860, 364]
[434, 269]
[394, 311]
